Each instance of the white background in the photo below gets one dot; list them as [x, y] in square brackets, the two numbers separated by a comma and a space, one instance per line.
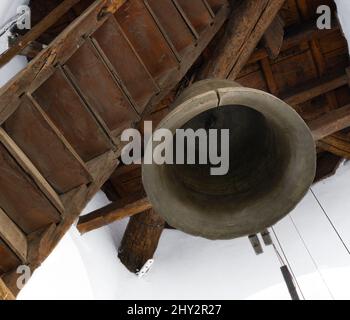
[87, 267]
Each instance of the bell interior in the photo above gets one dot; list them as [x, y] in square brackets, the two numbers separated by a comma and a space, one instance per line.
[257, 156]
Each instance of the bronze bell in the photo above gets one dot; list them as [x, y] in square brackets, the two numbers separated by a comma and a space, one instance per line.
[272, 163]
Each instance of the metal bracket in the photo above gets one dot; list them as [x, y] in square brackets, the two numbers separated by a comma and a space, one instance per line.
[145, 269]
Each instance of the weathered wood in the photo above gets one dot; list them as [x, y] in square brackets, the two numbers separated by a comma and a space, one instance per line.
[330, 123]
[37, 30]
[327, 165]
[5, 293]
[119, 210]
[31, 170]
[46, 147]
[140, 240]
[294, 36]
[13, 236]
[248, 23]
[273, 37]
[336, 144]
[314, 89]
[21, 198]
[74, 202]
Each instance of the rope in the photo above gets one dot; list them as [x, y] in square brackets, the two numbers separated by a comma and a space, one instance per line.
[311, 257]
[331, 223]
[287, 261]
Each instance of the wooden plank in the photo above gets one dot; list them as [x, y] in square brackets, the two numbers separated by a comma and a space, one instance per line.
[37, 30]
[57, 97]
[147, 40]
[241, 37]
[46, 148]
[314, 89]
[13, 236]
[116, 211]
[125, 64]
[21, 199]
[175, 28]
[31, 170]
[330, 123]
[100, 90]
[197, 13]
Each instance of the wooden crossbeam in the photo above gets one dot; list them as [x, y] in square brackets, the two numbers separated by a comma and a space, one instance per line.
[315, 89]
[37, 30]
[13, 236]
[330, 123]
[337, 145]
[127, 207]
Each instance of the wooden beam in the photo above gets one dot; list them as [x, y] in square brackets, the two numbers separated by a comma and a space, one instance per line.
[124, 208]
[13, 236]
[37, 30]
[31, 170]
[315, 89]
[141, 240]
[248, 23]
[336, 144]
[5, 293]
[273, 37]
[298, 34]
[330, 123]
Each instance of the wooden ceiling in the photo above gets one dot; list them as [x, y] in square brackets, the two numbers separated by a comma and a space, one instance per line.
[272, 45]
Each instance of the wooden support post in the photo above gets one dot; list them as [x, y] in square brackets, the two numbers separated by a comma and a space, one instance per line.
[140, 240]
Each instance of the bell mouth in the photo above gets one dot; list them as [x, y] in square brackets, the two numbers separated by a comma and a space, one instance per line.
[254, 161]
[272, 165]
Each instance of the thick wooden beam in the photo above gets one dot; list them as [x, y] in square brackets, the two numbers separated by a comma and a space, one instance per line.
[141, 240]
[13, 236]
[330, 123]
[124, 208]
[37, 30]
[248, 23]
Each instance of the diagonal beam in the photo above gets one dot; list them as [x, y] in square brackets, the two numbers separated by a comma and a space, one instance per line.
[247, 25]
